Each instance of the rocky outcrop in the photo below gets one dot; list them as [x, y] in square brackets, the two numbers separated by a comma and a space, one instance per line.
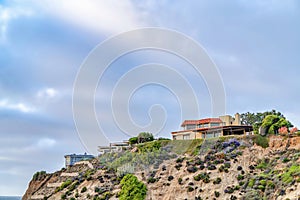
[230, 169]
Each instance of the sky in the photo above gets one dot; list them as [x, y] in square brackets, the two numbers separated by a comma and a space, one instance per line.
[254, 44]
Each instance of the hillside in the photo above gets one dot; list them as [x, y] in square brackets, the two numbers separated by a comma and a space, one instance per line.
[222, 168]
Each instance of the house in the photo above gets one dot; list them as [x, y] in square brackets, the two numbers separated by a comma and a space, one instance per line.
[113, 147]
[212, 127]
[71, 159]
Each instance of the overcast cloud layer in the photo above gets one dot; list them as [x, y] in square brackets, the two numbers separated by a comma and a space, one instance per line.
[255, 45]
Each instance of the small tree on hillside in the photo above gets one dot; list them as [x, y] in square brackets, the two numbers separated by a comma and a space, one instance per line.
[132, 188]
[145, 137]
[272, 123]
[142, 137]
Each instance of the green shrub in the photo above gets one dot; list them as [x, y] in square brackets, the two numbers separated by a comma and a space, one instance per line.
[63, 185]
[261, 141]
[190, 189]
[179, 160]
[262, 165]
[270, 184]
[105, 196]
[217, 181]
[133, 140]
[288, 176]
[37, 175]
[227, 165]
[170, 178]
[263, 182]
[132, 188]
[251, 182]
[285, 160]
[217, 194]
[76, 195]
[63, 196]
[240, 177]
[179, 180]
[73, 186]
[83, 190]
[151, 180]
[261, 187]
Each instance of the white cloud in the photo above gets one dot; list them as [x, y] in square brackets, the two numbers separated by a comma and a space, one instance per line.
[7, 14]
[102, 16]
[47, 93]
[46, 143]
[21, 107]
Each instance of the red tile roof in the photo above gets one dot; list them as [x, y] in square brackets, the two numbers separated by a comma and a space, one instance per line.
[202, 121]
[213, 128]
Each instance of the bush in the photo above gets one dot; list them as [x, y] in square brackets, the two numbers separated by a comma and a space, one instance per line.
[178, 166]
[240, 177]
[63, 185]
[270, 184]
[285, 160]
[251, 183]
[83, 190]
[203, 176]
[38, 175]
[261, 141]
[217, 181]
[217, 194]
[211, 167]
[229, 190]
[132, 188]
[179, 160]
[262, 165]
[180, 180]
[151, 180]
[133, 140]
[190, 189]
[192, 169]
[227, 165]
[170, 178]
[63, 196]
[105, 196]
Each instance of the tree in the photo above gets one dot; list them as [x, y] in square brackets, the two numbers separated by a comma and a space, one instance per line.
[132, 188]
[145, 137]
[256, 119]
[142, 137]
[272, 123]
[133, 140]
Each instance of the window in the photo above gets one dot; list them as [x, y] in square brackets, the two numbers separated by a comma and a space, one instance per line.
[214, 124]
[190, 126]
[186, 137]
[209, 135]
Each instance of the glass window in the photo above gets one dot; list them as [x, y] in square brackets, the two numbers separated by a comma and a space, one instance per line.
[186, 137]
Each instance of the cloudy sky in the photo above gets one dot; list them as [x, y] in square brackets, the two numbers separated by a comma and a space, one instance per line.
[255, 45]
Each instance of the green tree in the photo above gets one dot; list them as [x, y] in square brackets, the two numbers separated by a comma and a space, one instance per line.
[141, 138]
[132, 188]
[256, 119]
[271, 123]
[133, 140]
[145, 137]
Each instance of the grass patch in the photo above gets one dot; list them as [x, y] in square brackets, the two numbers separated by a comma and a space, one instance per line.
[289, 175]
[261, 141]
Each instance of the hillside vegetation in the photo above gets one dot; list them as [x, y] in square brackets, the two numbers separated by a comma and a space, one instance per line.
[248, 167]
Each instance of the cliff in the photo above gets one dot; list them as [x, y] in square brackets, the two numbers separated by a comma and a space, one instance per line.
[224, 168]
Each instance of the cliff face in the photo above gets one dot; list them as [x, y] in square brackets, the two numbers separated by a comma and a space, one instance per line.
[236, 169]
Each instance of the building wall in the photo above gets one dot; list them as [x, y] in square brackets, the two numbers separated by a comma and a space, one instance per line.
[72, 159]
[227, 120]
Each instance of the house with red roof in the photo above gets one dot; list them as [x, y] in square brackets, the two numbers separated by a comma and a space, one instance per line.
[212, 127]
